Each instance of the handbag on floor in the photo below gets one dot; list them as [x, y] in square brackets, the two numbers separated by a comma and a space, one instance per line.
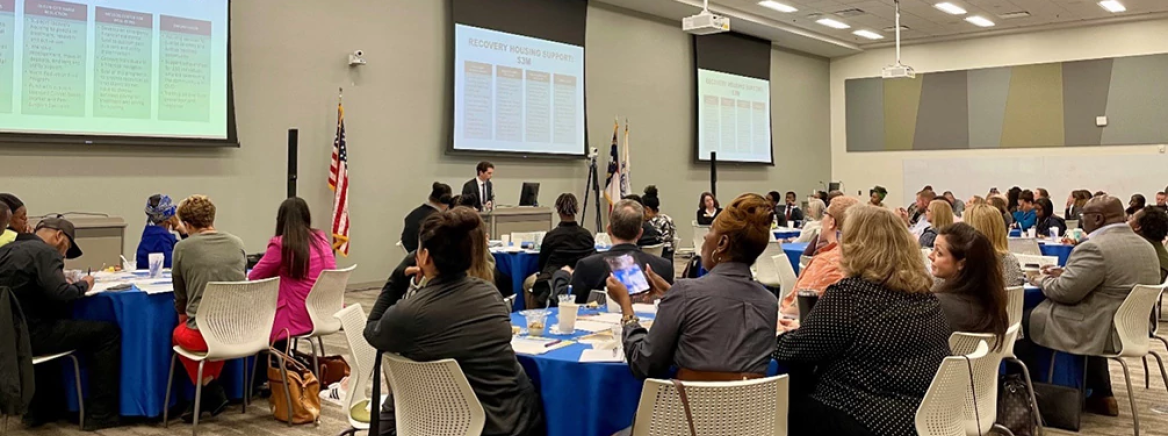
[1014, 410]
[1061, 406]
[301, 386]
[331, 368]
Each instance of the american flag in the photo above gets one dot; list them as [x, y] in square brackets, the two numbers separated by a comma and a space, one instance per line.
[612, 185]
[339, 184]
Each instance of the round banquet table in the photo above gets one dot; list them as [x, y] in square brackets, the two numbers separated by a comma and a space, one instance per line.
[1062, 251]
[517, 265]
[147, 322]
[794, 250]
[785, 233]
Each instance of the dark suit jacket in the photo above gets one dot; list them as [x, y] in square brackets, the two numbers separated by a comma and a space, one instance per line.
[592, 271]
[704, 220]
[649, 235]
[796, 213]
[1043, 227]
[409, 236]
[471, 187]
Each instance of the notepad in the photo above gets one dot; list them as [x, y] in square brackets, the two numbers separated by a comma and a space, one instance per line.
[601, 356]
[533, 346]
[645, 308]
[610, 318]
[593, 326]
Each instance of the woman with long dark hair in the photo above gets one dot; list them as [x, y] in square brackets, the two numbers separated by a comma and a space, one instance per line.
[297, 254]
[708, 209]
[973, 290]
[1012, 199]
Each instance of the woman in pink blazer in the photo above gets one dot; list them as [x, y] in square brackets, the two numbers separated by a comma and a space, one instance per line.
[297, 254]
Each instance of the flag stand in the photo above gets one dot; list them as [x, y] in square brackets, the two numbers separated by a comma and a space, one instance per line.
[592, 183]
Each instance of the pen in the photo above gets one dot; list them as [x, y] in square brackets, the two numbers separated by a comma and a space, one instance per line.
[549, 344]
[89, 271]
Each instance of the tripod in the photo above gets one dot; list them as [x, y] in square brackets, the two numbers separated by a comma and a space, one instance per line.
[593, 182]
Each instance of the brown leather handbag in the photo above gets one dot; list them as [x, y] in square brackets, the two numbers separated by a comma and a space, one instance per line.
[298, 399]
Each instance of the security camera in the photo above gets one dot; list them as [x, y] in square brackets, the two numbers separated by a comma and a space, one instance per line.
[359, 53]
[357, 58]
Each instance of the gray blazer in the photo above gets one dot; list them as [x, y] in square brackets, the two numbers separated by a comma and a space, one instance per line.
[1077, 316]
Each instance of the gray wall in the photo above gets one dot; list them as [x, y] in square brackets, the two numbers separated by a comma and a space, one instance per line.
[289, 59]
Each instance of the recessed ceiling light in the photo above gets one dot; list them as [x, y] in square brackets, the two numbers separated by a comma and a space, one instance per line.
[1113, 6]
[833, 23]
[979, 21]
[777, 6]
[950, 8]
[1014, 15]
[868, 34]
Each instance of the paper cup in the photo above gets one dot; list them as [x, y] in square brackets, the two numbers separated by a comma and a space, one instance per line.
[156, 261]
[568, 313]
[506, 240]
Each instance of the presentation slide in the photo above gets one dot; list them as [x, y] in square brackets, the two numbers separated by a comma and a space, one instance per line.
[517, 94]
[142, 68]
[734, 117]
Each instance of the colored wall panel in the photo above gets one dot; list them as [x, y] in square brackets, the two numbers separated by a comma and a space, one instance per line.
[865, 114]
[1034, 108]
[943, 119]
[902, 99]
[1137, 102]
[987, 91]
[1085, 88]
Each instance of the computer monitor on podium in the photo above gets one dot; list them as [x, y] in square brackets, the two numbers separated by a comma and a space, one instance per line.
[529, 196]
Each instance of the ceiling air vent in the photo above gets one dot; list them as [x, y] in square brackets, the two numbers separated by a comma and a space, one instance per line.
[848, 13]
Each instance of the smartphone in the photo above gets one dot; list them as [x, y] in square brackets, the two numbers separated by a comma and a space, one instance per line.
[626, 270]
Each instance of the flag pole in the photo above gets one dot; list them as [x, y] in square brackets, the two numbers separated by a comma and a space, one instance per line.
[340, 95]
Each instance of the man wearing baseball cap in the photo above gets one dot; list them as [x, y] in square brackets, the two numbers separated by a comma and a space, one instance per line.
[32, 266]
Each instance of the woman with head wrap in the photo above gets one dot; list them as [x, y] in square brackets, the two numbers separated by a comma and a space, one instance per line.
[158, 236]
[876, 196]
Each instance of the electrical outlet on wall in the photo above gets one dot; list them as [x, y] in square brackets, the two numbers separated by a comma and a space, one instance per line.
[1101, 121]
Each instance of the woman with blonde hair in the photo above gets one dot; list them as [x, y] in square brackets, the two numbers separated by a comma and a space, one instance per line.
[883, 308]
[813, 220]
[938, 214]
[987, 220]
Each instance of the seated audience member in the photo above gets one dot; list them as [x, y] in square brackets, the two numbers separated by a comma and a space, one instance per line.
[1040, 193]
[838, 388]
[450, 314]
[649, 234]
[999, 203]
[441, 197]
[988, 221]
[18, 218]
[563, 246]
[1136, 203]
[660, 222]
[1075, 203]
[1162, 201]
[1025, 216]
[958, 205]
[833, 194]
[972, 290]
[939, 214]
[1082, 298]
[776, 199]
[708, 209]
[464, 201]
[1151, 222]
[297, 255]
[825, 267]
[876, 196]
[789, 210]
[6, 235]
[206, 256]
[624, 227]
[916, 220]
[814, 222]
[32, 266]
[1044, 212]
[158, 235]
[1012, 199]
[719, 327]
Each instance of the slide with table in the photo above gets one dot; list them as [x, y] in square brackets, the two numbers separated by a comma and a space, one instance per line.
[114, 67]
[734, 116]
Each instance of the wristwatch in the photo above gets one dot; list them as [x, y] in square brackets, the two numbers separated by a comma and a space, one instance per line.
[630, 321]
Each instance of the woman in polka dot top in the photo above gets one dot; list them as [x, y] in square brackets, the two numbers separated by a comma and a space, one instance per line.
[864, 357]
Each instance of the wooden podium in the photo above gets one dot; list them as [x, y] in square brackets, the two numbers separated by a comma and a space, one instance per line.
[101, 240]
[508, 220]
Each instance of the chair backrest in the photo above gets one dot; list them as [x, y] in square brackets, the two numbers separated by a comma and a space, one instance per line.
[750, 407]
[603, 239]
[787, 277]
[699, 237]
[656, 249]
[767, 274]
[981, 401]
[1024, 259]
[326, 297]
[1132, 320]
[510, 302]
[361, 356]
[942, 411]
[925, 252]
[433, 398]
[402, 247]
[236, 318]
[803, 262]
[1024, 246]
[1015, 300]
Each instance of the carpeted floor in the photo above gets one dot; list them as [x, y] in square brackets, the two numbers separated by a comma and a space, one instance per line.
[259, 422]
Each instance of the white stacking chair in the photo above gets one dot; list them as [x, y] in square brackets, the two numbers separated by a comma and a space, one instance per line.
[942, 410]
[402, 247]
[803, 262]
[749, 407]
[235, 319]
[361, 359]
[433, 398]
[1133, 323]
[699, 237]
[1024, 246]
[655, 249]
[765, 270]
[1015, 302]
[602, 238]
[787, 277]
[982, 398]
[37, 360]
[1024, 259]
[326, 297]
[925, 252]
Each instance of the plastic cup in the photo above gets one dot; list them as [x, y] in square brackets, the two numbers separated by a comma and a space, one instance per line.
[1054, 234]
[568, 313]
[1031, 232]
[506, 240]
[536, 321]
[156, 260]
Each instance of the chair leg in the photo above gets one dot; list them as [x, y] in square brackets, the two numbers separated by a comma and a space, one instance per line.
[246, 387]
[198, 398]
[166, 402]
[1131, 396]
[80, 397]
[320, 341]
[1160, 361]
[315, 366]
[1001, 429]
[1147, 377]
[1029, 390]
[255, 369]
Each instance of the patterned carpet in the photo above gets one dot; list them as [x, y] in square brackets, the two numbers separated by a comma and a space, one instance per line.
[259, 422]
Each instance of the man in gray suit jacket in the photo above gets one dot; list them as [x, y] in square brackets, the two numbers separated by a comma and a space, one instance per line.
[1082, 298]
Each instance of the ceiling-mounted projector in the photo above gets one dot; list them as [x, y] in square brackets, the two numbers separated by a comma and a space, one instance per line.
[705, 23]
[898, 71]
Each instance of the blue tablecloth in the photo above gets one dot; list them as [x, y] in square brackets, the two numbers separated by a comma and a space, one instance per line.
[1068, 369]
[517, 266]
[147, 322]
[1062, 251]
[794, 251]
[784, 234]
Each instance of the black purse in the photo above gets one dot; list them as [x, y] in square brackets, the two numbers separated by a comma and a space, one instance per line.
[1061, 406]
[1014, 410]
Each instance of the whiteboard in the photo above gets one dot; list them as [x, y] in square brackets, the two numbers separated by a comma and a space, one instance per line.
[1119, 175]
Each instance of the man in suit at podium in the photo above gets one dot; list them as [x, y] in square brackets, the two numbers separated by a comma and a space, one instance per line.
[481, 188]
